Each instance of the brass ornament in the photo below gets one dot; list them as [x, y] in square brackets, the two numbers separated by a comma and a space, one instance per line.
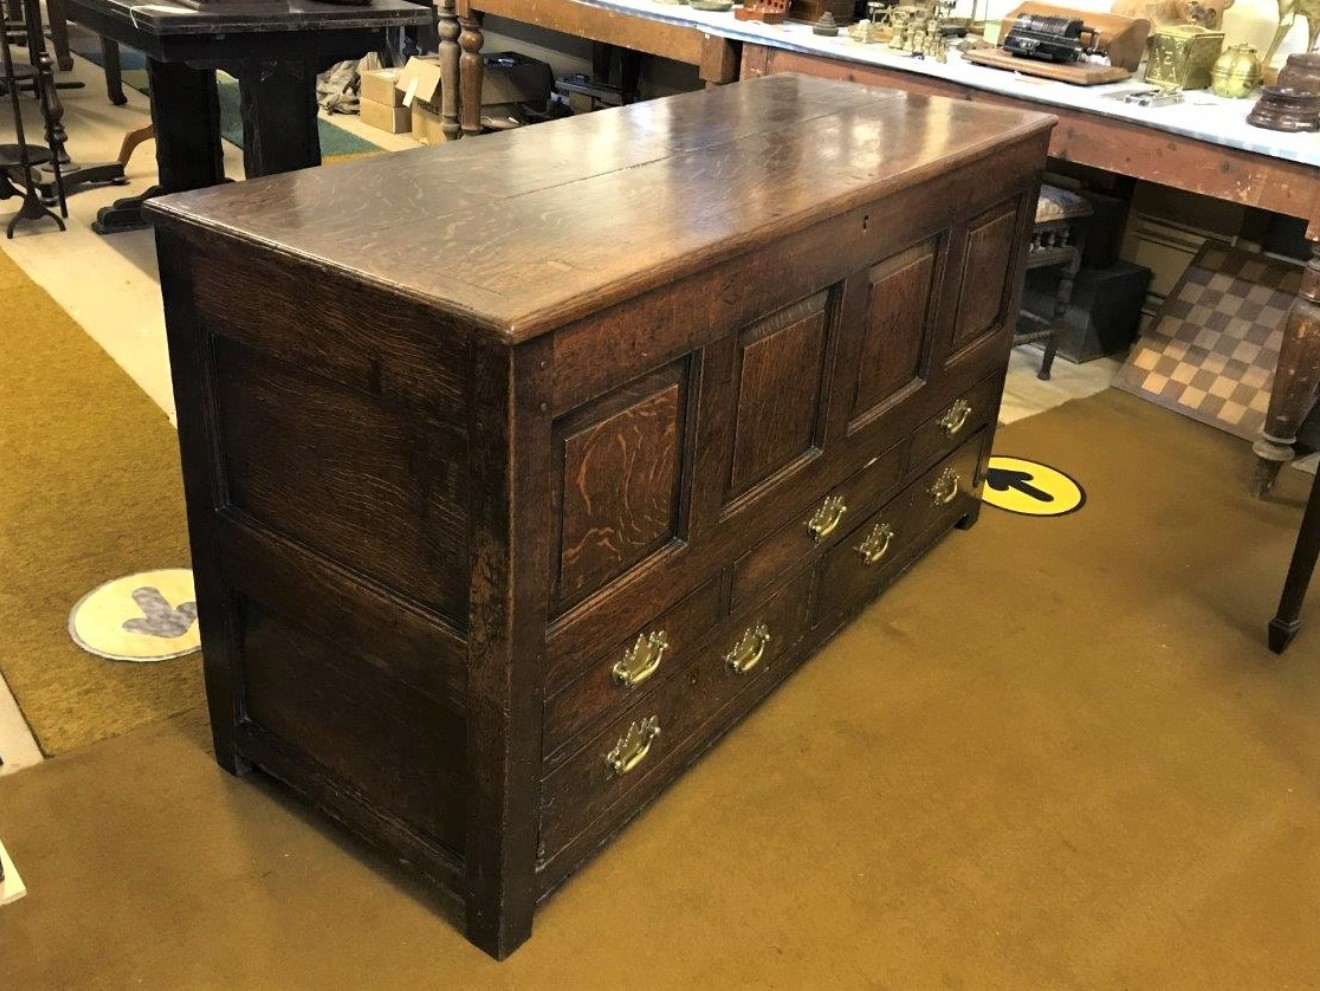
[1183, 56]
[1236, 73]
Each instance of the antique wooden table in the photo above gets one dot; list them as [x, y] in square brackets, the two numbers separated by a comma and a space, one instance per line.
[648, 28]
[274, 50]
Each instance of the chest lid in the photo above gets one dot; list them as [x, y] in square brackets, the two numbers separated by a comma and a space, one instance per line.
[522, 231]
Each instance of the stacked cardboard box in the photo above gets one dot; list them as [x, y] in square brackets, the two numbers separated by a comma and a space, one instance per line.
[380, 103]
[510, 81]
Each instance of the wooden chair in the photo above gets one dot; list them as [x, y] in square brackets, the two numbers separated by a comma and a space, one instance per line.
[1057, 240]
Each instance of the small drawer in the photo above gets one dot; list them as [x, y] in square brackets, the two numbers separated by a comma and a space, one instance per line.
[799, 539]
[655, 732]
[860, 565]
[959, 420]
[647, 657]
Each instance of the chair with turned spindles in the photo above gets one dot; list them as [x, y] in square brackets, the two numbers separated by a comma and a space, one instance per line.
[1058, 238]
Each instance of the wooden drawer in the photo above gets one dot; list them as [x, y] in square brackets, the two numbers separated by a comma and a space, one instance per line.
[959, 420]
[603, 773]
[796, 541]
[635, 664]
[871, 554]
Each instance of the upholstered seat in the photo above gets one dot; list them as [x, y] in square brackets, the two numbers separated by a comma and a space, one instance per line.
[1057, 239]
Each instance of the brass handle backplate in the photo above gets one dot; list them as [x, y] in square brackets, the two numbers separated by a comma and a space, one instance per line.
[633, 746]
[749, 649]
[642, 659]
[826, 518]
[945, 489]
[877, 544]
[955, 417]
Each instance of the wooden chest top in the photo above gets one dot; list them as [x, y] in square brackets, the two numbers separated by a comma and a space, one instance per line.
[521, 232]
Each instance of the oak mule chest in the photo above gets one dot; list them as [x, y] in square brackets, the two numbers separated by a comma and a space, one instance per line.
[519, 470]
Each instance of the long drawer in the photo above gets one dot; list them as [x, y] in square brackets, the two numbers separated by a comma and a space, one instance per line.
[655, 731]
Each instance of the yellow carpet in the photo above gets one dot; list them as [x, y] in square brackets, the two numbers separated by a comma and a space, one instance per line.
[89, 491]
[1055, 755]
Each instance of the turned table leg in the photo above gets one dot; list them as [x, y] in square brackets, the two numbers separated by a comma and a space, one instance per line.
[470, 69]
[446, 12]
[1297, 377]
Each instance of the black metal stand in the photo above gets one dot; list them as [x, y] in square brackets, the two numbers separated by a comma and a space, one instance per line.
[25, 157]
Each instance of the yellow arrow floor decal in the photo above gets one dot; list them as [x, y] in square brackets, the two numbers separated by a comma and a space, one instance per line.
[1030, 488]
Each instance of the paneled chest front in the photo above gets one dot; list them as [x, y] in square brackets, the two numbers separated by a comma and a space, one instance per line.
[519, 470]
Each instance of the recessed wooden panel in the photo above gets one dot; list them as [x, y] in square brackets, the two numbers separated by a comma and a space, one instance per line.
[781, 365]
[621, 465]
[898, 318]
[984, 285]
[335, 707]
[381, 491]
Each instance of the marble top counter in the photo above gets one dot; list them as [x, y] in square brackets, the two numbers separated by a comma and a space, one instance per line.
[1202, 115]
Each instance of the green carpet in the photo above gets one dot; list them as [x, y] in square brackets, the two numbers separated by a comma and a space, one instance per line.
[89, 491]
[335, 141]
[1056, 755]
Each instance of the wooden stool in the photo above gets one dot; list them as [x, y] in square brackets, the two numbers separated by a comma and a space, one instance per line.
[1057, 239]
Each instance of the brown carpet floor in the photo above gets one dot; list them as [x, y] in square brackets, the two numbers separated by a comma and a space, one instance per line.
[89, 491]
[1056, 755]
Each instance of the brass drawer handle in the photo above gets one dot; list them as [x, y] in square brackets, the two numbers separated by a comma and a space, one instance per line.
[877, 544]
[633, 746]
[642, 659]
[826, 518]
[945, 489]
[749, 649]
[955, 417]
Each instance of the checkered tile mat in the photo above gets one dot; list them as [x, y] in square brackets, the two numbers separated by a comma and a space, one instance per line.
[1212, 349]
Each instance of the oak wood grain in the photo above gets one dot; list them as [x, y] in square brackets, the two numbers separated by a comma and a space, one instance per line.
[613, 223]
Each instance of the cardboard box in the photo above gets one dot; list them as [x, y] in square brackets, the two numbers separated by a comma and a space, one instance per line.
[419, 88]
[509, 80]
[391, 119]
[426, 123]
[378, 86]
[419, 80]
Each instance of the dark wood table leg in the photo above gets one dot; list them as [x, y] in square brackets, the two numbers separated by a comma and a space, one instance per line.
[278, 102]
[185, 114]
[470, 68]
[59, 34]
[1284, 626]
[1297, 377]
[449, 69]
[114, 77]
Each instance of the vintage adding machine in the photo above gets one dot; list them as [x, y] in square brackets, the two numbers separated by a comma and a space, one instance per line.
[1051, 38]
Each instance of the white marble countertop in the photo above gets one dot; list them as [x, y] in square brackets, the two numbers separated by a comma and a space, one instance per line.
[1202, 115]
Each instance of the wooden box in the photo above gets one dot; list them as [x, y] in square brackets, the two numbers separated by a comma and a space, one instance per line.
[812, 10]
[519, 470]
